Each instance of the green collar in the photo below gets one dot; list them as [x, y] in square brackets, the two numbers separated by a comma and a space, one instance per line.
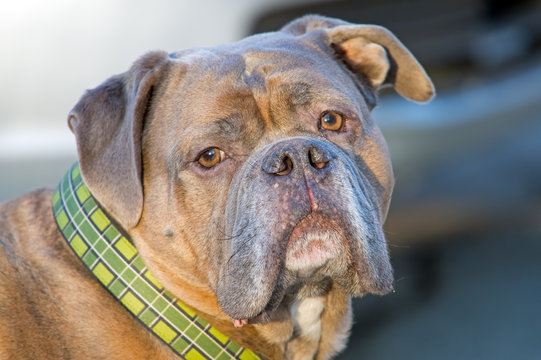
[109, 254]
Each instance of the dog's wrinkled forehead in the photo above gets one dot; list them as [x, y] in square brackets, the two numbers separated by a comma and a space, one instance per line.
[270, 75]
[265, 53]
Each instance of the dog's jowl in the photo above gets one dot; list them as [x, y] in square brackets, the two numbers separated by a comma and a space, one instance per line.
[227, 203]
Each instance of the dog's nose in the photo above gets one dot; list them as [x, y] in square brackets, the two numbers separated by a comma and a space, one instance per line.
[287, 156]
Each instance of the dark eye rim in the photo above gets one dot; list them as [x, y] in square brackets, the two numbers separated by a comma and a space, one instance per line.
[342, 117]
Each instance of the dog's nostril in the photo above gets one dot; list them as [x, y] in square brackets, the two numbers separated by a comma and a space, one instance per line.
[285, 167]
[317, 159]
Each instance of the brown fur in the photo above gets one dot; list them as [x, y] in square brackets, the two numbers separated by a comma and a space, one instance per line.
[138, 135]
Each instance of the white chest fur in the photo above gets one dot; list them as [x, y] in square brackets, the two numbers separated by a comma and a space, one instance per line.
[306, 318]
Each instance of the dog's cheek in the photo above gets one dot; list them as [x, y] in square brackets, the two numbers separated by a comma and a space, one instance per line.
[373, 160]
[202, 202]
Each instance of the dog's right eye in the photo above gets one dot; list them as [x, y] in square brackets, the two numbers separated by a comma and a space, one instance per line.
[210, 157]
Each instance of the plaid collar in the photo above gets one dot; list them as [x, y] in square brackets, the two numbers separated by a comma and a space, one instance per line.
[109, 254]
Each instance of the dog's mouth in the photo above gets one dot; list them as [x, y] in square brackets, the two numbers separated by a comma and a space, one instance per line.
[316, 252]
[259, 285]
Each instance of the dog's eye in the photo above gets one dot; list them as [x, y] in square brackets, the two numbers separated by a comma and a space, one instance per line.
[210, 157]
[331, 120]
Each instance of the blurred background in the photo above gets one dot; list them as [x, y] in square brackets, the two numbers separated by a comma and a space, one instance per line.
[464, 228]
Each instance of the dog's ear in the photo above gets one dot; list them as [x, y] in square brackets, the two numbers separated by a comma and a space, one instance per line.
[108, 123]
[372, 51]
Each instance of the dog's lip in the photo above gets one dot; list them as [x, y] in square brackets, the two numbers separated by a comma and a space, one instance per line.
[313, 241]
[311, 244]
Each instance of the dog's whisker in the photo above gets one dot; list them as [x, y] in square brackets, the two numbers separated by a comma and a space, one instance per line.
[233, 236]
[239, 248]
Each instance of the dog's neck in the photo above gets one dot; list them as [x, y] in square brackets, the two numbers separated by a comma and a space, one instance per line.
[317, 327]
[306, 318]
[109, 254]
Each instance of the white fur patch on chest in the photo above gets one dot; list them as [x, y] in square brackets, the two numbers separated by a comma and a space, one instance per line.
[306, 316]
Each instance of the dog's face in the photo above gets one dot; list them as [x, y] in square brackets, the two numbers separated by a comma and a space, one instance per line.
[261, 175]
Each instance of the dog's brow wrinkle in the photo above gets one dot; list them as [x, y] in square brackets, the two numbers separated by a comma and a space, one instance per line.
[255, 77]
[229, 125]
[228, 128]
[297, 93]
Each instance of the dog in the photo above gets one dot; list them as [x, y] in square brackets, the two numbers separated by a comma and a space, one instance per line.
[243, 187]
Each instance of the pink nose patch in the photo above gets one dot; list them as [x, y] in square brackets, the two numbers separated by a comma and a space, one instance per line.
[312, 243]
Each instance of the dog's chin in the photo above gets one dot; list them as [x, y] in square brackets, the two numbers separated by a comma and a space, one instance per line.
[316, 254]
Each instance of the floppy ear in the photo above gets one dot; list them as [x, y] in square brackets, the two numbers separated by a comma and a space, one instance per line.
[374, 52]
[108, 123]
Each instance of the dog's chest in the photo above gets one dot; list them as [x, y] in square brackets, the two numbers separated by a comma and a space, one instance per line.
[306, 316]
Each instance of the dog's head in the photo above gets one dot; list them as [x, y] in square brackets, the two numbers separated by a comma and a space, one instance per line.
[253, 170]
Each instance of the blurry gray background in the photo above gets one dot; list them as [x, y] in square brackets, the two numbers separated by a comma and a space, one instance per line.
[464, 229]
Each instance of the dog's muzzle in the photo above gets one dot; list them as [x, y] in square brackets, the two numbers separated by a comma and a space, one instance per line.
[299, 211]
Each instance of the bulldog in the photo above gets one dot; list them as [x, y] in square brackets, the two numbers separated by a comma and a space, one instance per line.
[246, 184]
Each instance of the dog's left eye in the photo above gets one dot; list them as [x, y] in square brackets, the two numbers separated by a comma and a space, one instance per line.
[331, 120]
[211, 157]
